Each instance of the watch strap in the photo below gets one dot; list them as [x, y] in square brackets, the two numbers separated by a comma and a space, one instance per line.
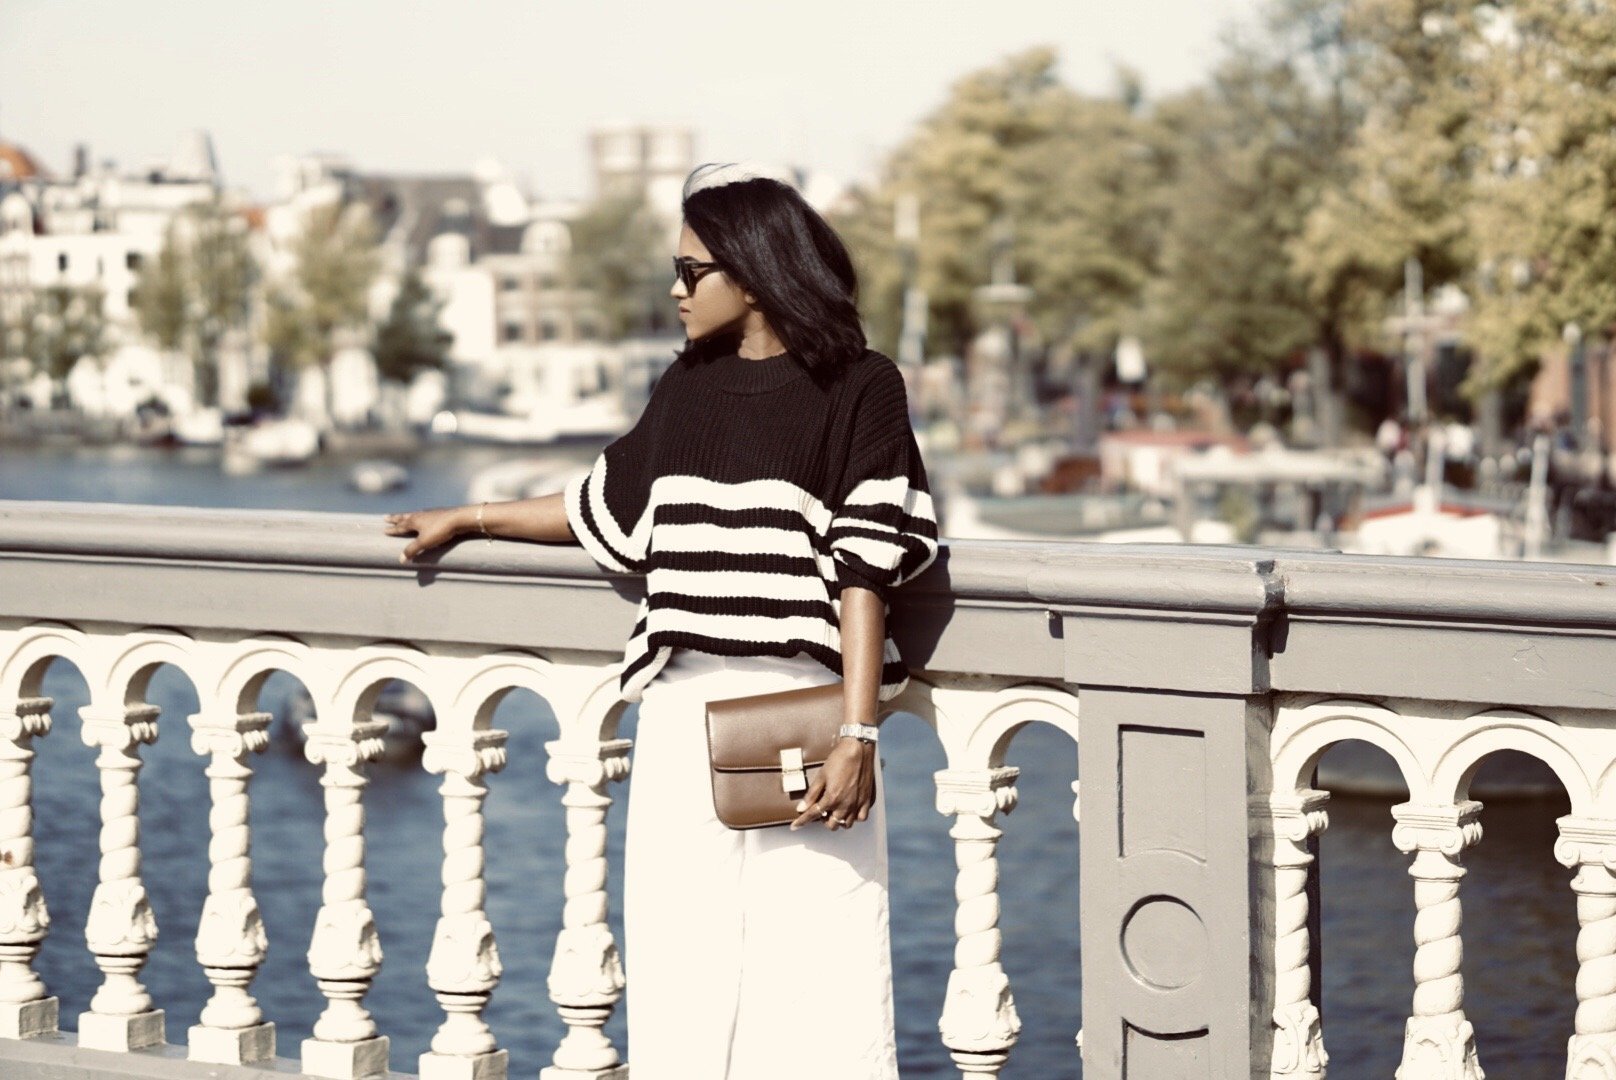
[863, 732]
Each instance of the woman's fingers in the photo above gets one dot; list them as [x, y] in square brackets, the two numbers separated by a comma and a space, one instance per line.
[808, 807]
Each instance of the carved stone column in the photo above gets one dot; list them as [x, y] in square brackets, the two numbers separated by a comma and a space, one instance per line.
[121, 926]
[230, 939]
[344, 953]
[1282, 825]
[464, 966]
[979, 1024]
[1438, 1042]
[586, 976]
[26, 1009]
[1589, 846]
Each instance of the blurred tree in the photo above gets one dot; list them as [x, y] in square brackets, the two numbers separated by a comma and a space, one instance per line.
[1546, 222]
[1251, 154]
[410, 340]
[1076, 177]
[1406, 192]
[198, 289]
[619, 252]
[59, 326]
[335, 262]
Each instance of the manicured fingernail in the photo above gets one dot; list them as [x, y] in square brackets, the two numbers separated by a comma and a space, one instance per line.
[801, 806]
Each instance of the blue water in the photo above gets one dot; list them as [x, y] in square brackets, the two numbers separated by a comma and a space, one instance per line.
[1520, 923]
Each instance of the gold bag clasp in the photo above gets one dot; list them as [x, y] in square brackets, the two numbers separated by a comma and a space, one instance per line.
[793, 773]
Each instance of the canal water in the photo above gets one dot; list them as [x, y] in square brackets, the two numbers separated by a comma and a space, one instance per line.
[1519, 912]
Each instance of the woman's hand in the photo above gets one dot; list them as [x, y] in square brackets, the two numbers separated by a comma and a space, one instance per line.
[844, 790]
[432, 528]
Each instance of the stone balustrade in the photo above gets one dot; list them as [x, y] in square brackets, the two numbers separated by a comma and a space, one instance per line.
[1202, 686]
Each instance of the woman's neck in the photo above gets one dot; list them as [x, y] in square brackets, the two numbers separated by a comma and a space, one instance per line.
[758, 340]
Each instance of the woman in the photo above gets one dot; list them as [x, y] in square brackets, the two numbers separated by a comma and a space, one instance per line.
[773, 495]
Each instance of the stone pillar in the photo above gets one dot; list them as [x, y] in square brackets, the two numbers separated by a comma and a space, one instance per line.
[230, 939]
[121, 926]
[344, 953]
[1589, 846]
[586, 976]
[1166, 892]
[979, 1024]
[1283, 826]
[1438, 1042]
[26, 1010]
[464, 966]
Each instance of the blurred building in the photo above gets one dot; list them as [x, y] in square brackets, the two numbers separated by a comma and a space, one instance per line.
[94, 228]
[90, 232]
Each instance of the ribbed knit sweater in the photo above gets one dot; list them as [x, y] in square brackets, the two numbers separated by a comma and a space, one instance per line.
[749, 496]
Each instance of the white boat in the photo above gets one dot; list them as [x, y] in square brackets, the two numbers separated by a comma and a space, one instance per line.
[273, 443]
[525, 478]
[372, 477]
[204, 427]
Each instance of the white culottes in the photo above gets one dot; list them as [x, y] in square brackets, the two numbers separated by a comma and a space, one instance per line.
[751, 955]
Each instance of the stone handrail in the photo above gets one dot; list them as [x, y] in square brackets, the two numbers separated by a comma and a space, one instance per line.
[1202, 684]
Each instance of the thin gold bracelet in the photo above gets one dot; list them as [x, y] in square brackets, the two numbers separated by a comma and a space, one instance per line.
[480, 526]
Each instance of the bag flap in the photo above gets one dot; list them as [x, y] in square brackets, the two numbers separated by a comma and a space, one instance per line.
[749, 732]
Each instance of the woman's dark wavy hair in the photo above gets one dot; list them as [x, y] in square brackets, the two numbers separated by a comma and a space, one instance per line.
[775, 246]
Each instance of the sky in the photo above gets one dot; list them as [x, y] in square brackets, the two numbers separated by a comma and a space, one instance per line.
[433, 86]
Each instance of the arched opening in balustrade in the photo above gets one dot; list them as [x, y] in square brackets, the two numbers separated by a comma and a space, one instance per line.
[1039, 889]
[142, 677]
[1361, 912]
[66, 823]
[1520, 913]
[526, 844]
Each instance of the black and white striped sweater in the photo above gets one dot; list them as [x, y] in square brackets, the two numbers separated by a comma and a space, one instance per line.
[749, 497]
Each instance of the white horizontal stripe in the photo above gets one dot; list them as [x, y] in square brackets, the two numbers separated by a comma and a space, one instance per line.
[894, 491]
[748, 495]
[736, 583]
[759, 540]
[740, 628]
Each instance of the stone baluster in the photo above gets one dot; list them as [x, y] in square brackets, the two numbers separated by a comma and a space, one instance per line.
[1589, 846]
[25, 1008]
[979, 1024]
[344, 953]
[1283, 825]
[1438, 1042]
[230, 939]
[464, 966]
[586, 976]
[121, 927]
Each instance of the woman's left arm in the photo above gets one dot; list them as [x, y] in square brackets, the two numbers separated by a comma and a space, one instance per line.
[845, 786]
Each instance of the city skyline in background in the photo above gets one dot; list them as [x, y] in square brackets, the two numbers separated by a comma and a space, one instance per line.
[426, 88]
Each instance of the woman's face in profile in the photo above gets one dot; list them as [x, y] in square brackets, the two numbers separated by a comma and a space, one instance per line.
[716, 303]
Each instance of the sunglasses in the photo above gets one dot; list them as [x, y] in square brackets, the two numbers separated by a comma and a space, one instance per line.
[690, 271]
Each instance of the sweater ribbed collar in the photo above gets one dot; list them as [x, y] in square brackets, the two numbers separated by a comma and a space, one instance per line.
[737, 375]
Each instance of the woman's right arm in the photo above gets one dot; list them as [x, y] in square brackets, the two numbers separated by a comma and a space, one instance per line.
[541, 518]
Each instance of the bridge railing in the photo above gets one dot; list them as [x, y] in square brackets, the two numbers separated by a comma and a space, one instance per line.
[1201, 684]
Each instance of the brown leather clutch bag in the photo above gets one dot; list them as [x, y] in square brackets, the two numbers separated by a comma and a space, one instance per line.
[766, 750]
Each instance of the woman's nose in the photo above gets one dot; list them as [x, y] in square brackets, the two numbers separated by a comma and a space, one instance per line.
[678, 291]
